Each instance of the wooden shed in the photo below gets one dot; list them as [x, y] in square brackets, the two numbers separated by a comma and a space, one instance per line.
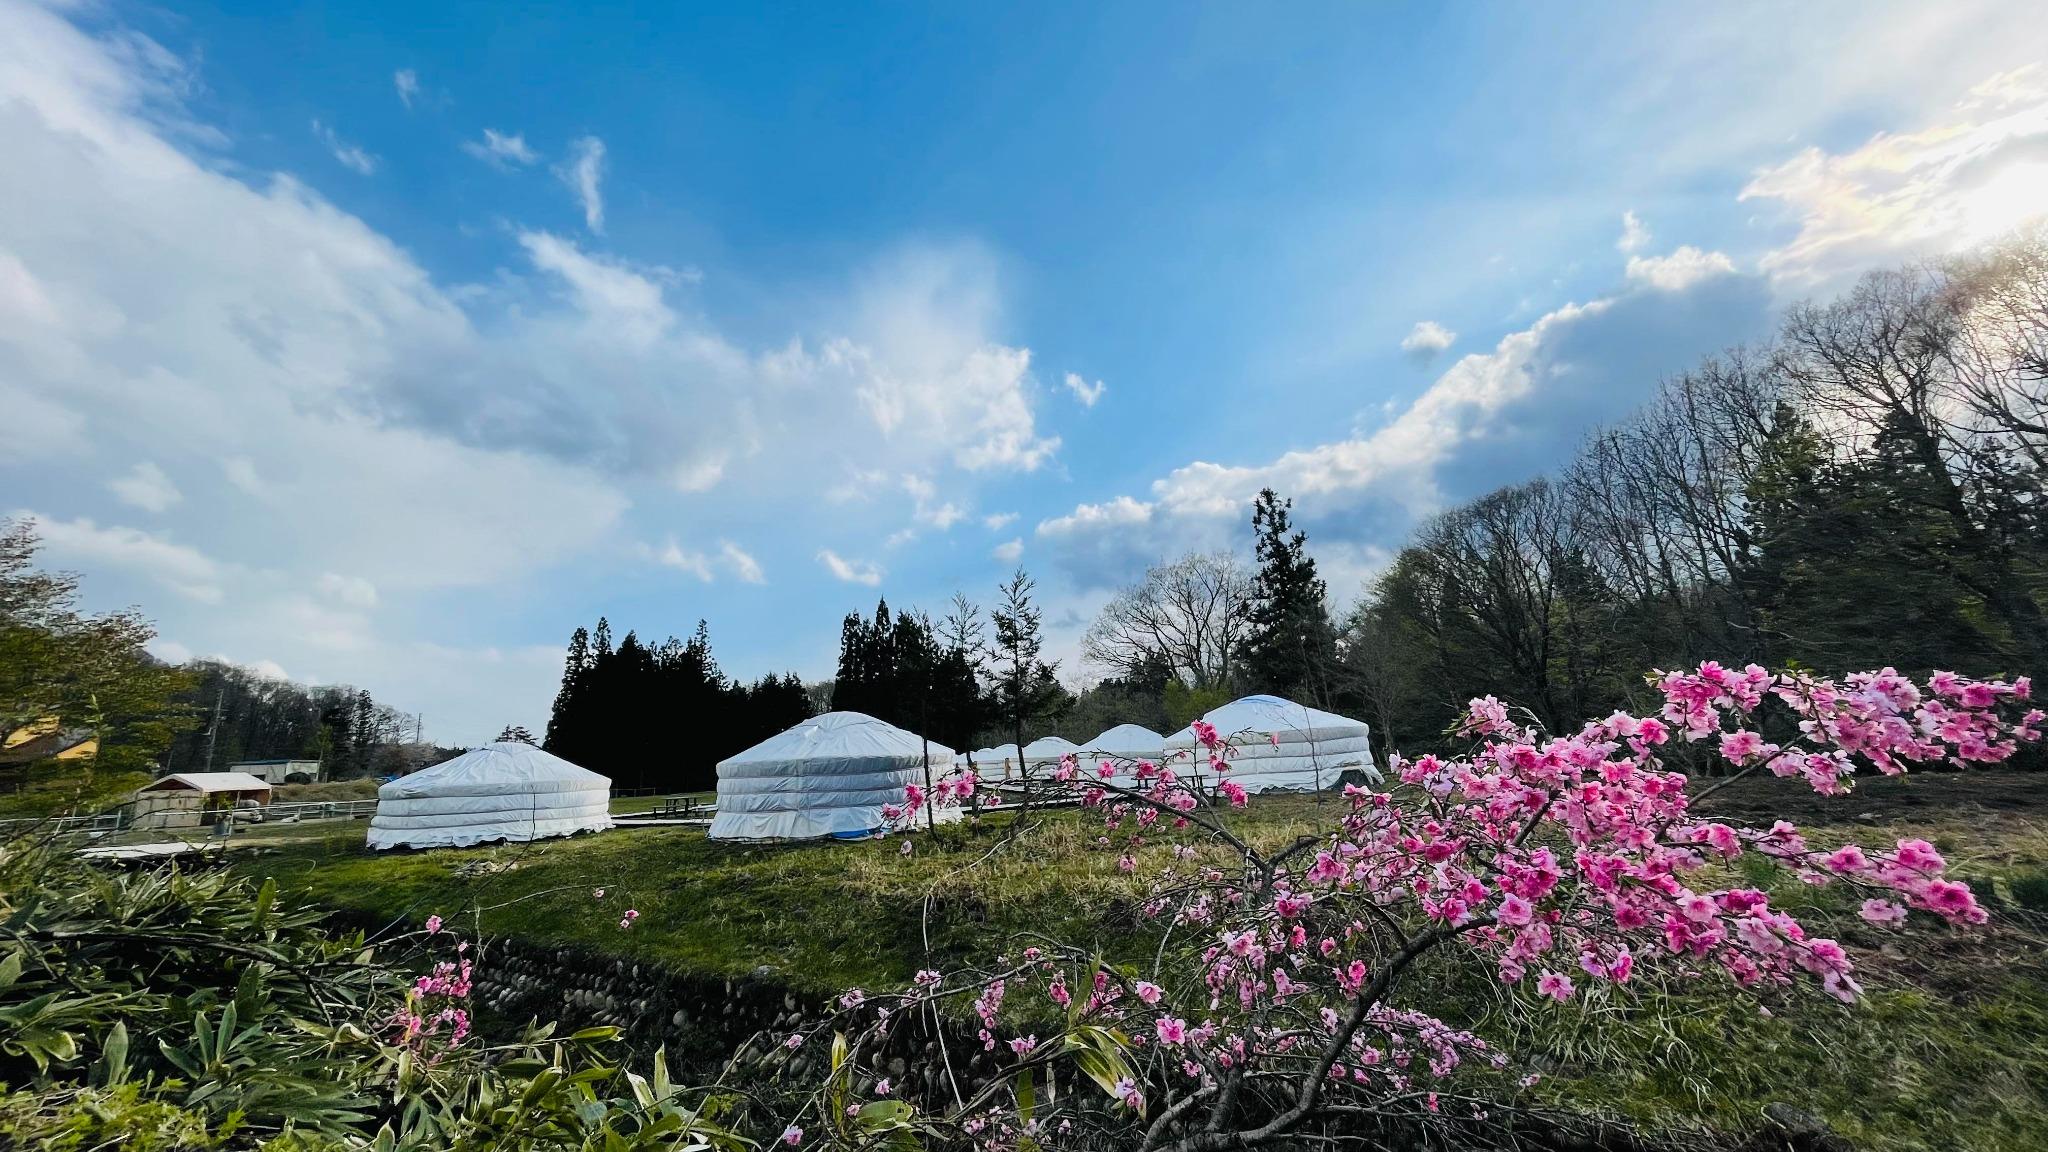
[194, 799]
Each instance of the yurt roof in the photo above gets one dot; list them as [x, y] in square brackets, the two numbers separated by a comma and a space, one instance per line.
[841, 736]
[1264, 714]
[1127, 738]
[507, 767]
[1050, 746]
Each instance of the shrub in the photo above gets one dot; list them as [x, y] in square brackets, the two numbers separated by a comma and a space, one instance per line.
[166, 1009]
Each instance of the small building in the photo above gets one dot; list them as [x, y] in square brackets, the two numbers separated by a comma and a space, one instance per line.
[194, 799]
[276, 771]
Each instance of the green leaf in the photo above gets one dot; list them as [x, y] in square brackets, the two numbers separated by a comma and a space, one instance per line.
[10, 969]
[113, 1069]
[881, 1115]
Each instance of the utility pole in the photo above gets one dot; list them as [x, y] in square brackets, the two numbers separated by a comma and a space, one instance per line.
[213, 729]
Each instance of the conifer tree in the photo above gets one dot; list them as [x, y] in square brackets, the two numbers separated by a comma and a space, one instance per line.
[1293, 643]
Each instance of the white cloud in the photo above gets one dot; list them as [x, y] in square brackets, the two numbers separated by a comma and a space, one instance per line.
[742, 564]
[584, 174]
[1975, 172]
[996, 522]
[1683, 268]
[626, 300]
[1083, 391]
[371, 422]
[501, 150]
[407, 82]
[928, 509]
[169, 651]
[851, 571]
[1490, 418]
[146, 487]
[926, 371]
[1010, 551]
[1635, 235]
[352, 591]
[730, 558]
[1427, 339]
[699, 475]
[181, 568]
[1121, 512]
[351, 156]
[695, 563]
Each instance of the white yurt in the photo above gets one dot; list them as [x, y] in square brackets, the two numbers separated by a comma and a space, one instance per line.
[1046, 752]
[828, 776]
[1280, 745]
[503, 791]
[1126, 742]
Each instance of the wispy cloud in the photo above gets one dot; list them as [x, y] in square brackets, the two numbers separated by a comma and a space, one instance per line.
[742, 563]
[1083, 391]
[407, 82]
[351, 156]
[998, 521]
[1010, 551]
[181, 568]
[584, 174]
[851, 571]
[730, 559]
[501, 149]
[1634, 233]
[146, 487]
[1971, 174]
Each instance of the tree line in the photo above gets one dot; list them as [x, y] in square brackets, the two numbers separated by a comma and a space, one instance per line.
[240, 714]
[1864, 489]
[620, 707]
[67, 676]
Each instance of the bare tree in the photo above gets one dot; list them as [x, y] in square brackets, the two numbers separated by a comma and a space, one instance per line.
[1189, 616]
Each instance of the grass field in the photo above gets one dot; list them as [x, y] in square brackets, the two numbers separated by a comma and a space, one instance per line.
[1949, 1050]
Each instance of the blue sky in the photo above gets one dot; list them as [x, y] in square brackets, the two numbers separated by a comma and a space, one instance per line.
[388, 344]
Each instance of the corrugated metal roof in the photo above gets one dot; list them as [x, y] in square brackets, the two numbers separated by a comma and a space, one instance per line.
[210, 782]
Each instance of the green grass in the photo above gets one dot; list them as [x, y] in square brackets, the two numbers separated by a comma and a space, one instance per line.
[634, 805]
[1949, 1050]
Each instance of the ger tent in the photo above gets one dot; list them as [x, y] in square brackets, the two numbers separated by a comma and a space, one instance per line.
[1280, 744]
[828, 776]
[1127, 742]
[503, 791]
[1046, 752]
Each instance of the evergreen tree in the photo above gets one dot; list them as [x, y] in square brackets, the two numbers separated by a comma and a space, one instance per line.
[1026, 687]
[1292, 644]
[515, 734]
[574, 665]
[620, 709]
[849, 684]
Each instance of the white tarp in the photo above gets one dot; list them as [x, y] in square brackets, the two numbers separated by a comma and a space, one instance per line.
[828, 776]
[1126, 742]
[504, 791]
[1279, 745]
